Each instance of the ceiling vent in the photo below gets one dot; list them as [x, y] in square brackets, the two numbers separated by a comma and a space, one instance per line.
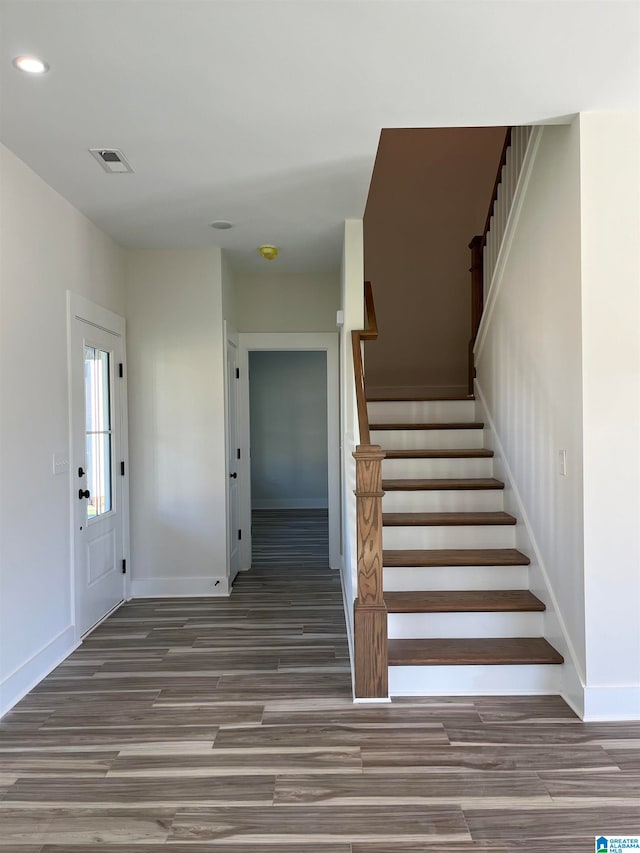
[112, 160]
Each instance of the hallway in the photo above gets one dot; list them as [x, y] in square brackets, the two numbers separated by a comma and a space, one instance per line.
[227, 724]
[290, 537]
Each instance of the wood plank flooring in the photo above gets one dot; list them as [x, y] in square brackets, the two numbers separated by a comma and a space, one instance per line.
[289, 537]
[227, 725]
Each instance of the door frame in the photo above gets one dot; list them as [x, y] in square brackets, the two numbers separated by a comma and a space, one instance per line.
[326, 342]
[80, 308]
[231, 337]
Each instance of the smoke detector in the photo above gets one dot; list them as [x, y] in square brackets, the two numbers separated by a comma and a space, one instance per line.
[112, 160]
[269, 253]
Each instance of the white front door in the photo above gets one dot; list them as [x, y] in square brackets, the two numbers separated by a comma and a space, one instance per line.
[97, 470]
[233, 461]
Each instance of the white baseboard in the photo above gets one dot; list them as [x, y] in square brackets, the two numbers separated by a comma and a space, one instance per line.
[30, 673]
[357, 701]
[572, 686]
[290, 503]
[348, 621]
[393, 391]
[180, 588]
[605, 703]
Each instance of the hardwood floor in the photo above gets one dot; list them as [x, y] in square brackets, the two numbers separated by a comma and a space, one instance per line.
[289, 537]
[227, 725]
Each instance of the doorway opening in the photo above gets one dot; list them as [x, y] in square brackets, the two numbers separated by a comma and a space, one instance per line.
[289, 457]
[289, 488]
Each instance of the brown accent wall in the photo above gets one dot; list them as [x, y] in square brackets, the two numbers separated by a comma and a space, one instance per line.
[429, 196]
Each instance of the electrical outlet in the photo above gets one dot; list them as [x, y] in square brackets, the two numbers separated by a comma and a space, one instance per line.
[562, 463]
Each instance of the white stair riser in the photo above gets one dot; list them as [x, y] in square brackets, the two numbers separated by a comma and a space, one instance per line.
[481, 536]
[474, 681]
[411, 579]
[415, 439]
[422, 411]
[451, 680]
[433, 469]
[406, 626]
[444, 500]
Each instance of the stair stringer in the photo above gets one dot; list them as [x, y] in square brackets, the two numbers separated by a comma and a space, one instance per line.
[572, 680]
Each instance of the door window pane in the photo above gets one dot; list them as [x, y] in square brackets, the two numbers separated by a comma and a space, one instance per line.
[97, 376]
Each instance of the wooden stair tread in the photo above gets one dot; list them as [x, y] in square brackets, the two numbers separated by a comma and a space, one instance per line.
[464, 601]
[443, 483]
[445, 519]
[460, 652]
[431, 425]
[455, 557]
[451, 453]
[415, 398]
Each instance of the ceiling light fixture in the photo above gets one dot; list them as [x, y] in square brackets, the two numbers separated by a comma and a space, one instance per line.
[222, 224]
[269, 253]
[31, 64]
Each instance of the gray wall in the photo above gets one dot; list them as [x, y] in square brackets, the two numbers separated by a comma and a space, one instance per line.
[429, 195]
[288, 419]
[286, 302]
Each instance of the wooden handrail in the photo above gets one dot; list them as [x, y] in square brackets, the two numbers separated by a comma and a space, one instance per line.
[370, 612]
[476, 269]
[369, 333]
[477, 301]
[498, 180]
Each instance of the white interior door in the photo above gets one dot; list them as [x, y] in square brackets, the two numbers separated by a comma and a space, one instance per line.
[233, 461]
[97, 470]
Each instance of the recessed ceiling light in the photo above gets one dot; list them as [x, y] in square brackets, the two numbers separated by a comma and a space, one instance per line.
[222, 224]
[31, 64]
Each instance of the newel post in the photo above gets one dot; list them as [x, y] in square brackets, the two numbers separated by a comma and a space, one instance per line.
[477, 299]
[370, 612]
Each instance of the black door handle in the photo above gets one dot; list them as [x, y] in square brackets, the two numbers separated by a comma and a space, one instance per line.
[84, 493]
[80, 472]
[234, 475]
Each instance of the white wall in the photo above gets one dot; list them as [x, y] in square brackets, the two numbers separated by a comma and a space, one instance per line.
[529, 368]
[610, 206]
[46, 247]
[229, 298]
[352, 304]
[286, 302]
[558, 359]
[176, 422]
[288, 412]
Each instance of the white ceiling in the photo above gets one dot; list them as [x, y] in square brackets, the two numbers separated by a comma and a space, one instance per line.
[268, 112]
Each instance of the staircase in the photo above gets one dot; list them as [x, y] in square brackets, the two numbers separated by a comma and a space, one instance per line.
[461, 618]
